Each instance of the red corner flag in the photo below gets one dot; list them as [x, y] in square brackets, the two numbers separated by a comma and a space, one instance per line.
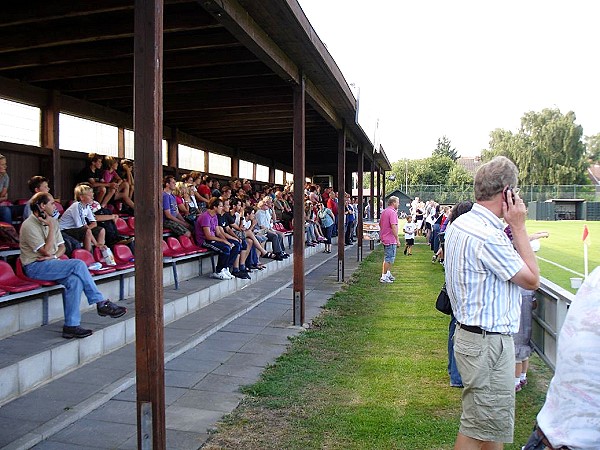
[586, 236]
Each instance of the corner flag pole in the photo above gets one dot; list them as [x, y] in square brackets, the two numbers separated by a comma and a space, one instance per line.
[586, 244]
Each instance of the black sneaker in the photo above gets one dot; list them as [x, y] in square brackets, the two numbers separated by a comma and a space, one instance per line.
[241, 274]
[108, 308]
[75, 332]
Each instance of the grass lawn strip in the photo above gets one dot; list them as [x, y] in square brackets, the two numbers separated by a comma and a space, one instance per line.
[370, 373]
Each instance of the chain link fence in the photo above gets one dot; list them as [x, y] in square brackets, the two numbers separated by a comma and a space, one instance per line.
[454, 194]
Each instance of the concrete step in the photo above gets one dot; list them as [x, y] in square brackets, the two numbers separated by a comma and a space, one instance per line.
[247, 329]
[33, 358]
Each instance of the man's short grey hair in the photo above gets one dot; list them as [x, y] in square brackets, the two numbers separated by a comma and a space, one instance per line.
[393, 199]
[493, 176]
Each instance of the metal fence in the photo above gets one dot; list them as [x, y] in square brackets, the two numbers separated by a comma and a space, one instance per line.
[548, 318]
[452, 194]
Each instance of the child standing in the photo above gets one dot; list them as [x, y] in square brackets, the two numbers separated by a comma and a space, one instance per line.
[409, 235]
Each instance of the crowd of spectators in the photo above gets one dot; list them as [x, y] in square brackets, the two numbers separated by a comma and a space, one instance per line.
[248, 215]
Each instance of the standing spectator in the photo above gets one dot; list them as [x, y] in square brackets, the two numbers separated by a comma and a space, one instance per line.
[522, 338]
[350, 219]
[409, 235]
[570, 416]
[455, 380]
[79, 222]
[483, 276]
[356, 212]
[41, 246]
[172, 219]
[327, 220]
[332, 204]
[5, 211]
[388, 233]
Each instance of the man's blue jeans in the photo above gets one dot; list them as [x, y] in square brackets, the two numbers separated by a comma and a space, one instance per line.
[74, 275]
[455, 378]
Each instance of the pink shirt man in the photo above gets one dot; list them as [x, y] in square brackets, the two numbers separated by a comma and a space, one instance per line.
[389, 217]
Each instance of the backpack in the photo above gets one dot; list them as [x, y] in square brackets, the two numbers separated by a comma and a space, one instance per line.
[8, 236]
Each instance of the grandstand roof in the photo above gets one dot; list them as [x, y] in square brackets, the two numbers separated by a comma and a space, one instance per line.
[229, 69]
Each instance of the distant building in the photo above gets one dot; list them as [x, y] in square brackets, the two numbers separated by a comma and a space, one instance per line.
[404, 206]
[470, 163]
[594, 174]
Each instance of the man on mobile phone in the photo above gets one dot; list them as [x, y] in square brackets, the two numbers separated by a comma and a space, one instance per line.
[483, 275]
[41, 247]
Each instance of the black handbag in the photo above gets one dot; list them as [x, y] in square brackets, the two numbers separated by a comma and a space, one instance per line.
[442, 304]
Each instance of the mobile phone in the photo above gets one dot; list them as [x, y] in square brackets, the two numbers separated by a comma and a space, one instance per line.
[42, 214]
[509, 195]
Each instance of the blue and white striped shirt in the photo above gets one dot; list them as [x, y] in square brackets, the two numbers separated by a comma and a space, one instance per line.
[479, 261]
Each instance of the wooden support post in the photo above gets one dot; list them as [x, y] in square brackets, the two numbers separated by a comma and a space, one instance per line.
[372, 197]
[50, 134]
[383, 188]
[341, 199]
[121, 142]
[378, 192]
[299, 175]
[359, 228]
[148, 127]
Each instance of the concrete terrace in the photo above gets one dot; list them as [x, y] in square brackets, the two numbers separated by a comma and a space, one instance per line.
[212, 347]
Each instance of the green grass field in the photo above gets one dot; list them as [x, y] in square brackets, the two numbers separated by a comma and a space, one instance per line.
[371, 373]
[565, 247]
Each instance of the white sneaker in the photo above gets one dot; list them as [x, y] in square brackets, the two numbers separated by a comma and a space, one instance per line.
[226, 274]
[390, 276]
[219, 276]
[385, 279]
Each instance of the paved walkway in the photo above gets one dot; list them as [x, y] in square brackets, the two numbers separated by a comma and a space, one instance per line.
[209, 354]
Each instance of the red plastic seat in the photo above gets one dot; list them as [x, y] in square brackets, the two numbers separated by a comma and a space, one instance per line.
[21, 201]
[22, 276]
[99, 258]
[9, 282]
[187, 244]
[123, 255]
[131, 222]
[176, 247]
[123, 228]
[88, 259]
[167, 252]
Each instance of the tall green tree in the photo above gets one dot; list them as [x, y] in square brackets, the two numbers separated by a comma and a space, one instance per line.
[547, 149]
[459, 176]
[552, 151]
[444, 148]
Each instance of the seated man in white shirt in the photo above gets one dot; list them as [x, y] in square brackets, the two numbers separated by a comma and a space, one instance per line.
[265, 224]
[78, 220]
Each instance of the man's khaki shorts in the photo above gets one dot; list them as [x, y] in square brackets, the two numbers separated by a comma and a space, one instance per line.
[486, 364]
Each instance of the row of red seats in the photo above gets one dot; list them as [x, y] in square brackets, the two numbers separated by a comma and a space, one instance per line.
[124, 259]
